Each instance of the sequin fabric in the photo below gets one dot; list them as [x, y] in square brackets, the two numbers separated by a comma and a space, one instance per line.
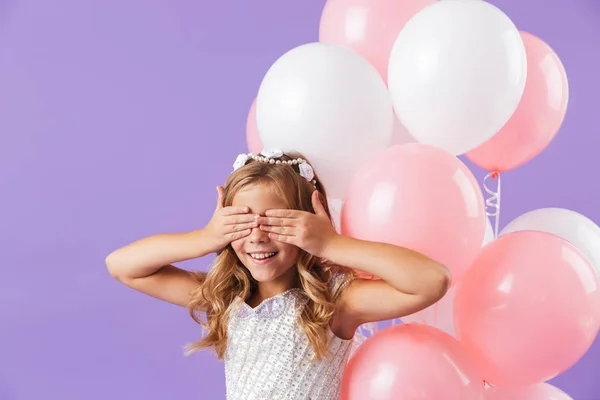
[268, 355]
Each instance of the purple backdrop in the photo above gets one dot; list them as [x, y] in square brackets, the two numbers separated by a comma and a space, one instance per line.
[118, 118]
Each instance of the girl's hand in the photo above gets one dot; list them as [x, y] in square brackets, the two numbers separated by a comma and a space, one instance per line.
[228, 224]
[311, 232]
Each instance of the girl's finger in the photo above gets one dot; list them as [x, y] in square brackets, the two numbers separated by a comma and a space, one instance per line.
[281, 238]
[241, 227]
[238, 235]
[239, 219]
[220, 195]
[284, 213]
[273, 221]
[280, 230]
[232, 210]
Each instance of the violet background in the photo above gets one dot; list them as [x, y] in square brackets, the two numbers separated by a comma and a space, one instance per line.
[117, 120]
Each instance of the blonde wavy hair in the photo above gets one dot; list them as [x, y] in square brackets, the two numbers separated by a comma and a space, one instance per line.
[228, 278]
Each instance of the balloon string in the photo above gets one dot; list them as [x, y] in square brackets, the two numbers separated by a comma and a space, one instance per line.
[492, 202]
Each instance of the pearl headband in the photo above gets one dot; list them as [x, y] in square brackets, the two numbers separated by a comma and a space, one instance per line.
[270, 156]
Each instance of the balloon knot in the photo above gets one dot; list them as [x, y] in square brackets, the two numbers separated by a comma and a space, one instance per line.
[495, 175]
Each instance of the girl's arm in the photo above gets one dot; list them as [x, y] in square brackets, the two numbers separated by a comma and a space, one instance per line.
[145, 265]
[409, 281]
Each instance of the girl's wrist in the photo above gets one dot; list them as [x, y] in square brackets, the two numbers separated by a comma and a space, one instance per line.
[331, 247]
[200, 241]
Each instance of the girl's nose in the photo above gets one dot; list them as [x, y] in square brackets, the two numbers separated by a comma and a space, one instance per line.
[258, 236]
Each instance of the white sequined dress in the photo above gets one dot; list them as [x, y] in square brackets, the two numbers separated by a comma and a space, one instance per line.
[268, 355]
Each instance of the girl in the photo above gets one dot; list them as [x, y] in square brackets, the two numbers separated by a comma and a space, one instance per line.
[283, 299]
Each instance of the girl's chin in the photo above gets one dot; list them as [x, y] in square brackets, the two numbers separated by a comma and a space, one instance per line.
[262, 276]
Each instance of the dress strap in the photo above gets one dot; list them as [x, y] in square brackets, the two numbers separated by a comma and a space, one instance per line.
[338, 282]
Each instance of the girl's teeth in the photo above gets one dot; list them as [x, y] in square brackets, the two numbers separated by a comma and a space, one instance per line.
[262, 256]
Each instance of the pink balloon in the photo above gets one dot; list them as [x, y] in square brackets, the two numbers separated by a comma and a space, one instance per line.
[252, 137]
[409, 362]
[528, 309]
[538, 117]
[369, 27]
[541, 391]
[441, 314]
[420, 197]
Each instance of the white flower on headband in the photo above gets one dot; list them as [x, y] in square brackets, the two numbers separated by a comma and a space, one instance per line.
[268, 156]
[272, 153]
[306, 171]
[240, 161]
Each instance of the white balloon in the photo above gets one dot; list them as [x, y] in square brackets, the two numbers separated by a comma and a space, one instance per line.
[573, 227]
[457, 72]
[328, 103]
